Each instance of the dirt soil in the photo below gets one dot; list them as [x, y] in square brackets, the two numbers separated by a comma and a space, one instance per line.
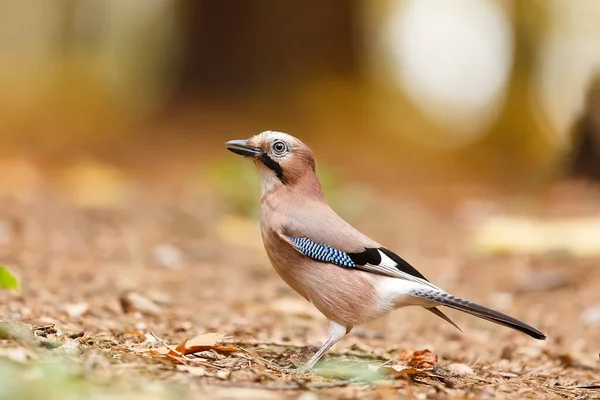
[121, 286]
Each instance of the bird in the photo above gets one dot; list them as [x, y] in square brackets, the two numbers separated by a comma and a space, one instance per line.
[350, 278]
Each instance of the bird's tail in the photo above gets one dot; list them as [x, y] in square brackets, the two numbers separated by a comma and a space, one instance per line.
[458, 303]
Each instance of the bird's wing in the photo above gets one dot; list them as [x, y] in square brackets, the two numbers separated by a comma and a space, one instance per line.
[375, 260]
[324, 236]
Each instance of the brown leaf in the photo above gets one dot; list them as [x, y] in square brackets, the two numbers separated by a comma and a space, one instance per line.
[133, 332]
[206, 341]
[420, 359]
[225, 349]
[181, 346]
[196, 344]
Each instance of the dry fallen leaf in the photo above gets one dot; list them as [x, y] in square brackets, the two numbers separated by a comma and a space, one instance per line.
[157, 351]
[420, 359]
[398, 370]
[196, 344]
[206, 341]
[133, 332]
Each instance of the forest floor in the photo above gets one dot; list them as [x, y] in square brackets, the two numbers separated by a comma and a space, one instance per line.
[142, 290]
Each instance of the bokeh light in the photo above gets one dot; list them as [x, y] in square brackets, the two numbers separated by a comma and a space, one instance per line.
[453, 59]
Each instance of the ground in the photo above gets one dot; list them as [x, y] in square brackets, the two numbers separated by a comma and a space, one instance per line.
[112, 289]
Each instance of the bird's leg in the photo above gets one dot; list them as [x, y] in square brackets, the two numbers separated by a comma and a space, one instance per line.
[336, 333]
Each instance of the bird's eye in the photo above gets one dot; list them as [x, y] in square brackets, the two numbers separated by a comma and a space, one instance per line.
[279, 147]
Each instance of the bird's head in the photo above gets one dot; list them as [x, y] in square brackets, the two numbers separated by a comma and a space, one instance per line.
[281, 158]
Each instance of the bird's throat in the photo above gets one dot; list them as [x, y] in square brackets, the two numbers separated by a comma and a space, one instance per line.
[272, 165]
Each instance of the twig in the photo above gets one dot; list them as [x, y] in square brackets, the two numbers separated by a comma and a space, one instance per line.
[265, 362]
[204, 363]
[180, 354]
[42, 327]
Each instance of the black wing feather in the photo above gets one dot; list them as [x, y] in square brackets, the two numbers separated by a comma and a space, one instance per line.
[372, 256]
[369, 256]
[402, 264]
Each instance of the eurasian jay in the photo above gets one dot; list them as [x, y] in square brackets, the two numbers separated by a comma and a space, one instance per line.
[347, 276]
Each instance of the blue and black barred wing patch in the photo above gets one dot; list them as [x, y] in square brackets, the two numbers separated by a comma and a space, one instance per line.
[374, 260]
[322, 253]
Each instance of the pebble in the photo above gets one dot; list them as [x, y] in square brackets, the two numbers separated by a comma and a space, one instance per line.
[460, 369]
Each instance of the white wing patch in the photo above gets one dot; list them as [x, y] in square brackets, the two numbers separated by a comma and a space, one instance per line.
[388, 267]
[386, 261]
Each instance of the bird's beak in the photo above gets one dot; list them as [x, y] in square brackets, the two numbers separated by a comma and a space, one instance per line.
[242, 148]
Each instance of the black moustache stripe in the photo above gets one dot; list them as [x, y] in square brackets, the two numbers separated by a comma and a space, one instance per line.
[272, 165]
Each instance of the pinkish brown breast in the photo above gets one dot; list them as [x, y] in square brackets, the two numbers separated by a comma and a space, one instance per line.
[343, 295]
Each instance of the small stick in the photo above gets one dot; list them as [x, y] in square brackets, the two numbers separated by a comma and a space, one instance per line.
[169, 347]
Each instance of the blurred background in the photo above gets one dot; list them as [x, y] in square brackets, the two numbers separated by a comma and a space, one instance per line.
[468, 91]
[464, 134]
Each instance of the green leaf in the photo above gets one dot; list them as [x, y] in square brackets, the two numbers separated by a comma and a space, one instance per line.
[8, 280]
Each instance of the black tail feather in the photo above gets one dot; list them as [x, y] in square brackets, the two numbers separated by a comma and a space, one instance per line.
[443, 316]
[479, 311]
